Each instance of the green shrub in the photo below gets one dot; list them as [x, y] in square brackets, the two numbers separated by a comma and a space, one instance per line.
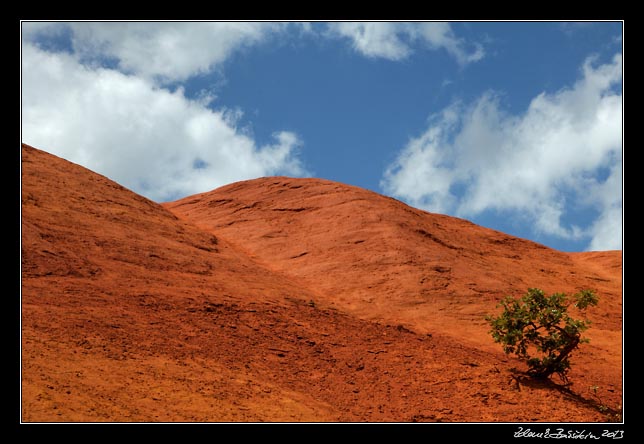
[540, 323]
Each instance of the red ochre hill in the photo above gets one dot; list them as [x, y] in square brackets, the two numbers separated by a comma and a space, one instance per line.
[285, 300]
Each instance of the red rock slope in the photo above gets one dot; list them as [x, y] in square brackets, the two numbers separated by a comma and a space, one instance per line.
[129, 314]
[378, 258]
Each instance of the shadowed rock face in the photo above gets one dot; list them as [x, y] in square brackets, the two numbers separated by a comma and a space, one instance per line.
[283, 299]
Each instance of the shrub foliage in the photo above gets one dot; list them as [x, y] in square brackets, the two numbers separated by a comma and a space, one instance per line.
[541, 323]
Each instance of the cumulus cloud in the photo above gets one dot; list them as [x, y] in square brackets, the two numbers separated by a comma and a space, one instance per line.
[175, 51]
[163, 51]
[394, 40]
[154, 141]
[375, 39]
[563, 154]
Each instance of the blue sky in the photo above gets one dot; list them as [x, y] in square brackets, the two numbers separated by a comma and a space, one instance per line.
[516, 126]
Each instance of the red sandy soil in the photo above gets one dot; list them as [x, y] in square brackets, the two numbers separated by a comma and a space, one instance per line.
[286, 300]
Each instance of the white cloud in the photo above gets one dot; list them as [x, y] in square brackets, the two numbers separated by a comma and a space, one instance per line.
[374, 39]
[164, 51]
[606, 231]
[394, 40]
[440, 35]
[175, 51]
[151, 140]
[541, 165]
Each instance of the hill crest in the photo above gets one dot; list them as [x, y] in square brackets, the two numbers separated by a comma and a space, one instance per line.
[132, 313]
